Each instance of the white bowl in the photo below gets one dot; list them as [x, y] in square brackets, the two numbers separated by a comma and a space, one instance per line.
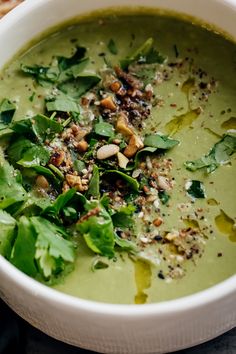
[107, 328]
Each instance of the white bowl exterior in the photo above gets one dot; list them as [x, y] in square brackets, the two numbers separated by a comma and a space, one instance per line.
[106, 328]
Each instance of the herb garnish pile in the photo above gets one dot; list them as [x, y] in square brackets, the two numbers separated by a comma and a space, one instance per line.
[84, 168]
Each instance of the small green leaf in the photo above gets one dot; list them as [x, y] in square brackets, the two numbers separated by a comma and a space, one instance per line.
[41, 74]
[93, 189]
[7, 110]
[163, 196]
[38, 126]
[125, 245]
[36, 155]
[62, 103]
[98, 230]
[78, 86]
[79, 165]
[218, 155]
[144, 54]
[60, 203]
[98, 264]
[104, 129]
[160, 141]
[112, 47]
[65, 63]
[196, 189]
[123, 218]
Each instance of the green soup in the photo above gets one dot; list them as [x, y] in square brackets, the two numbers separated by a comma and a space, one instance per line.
[117, 170]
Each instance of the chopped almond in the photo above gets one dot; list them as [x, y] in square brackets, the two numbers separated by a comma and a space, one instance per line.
[81, 146]
[122, 125]
[157, 222]
[75, 182]
[57, 158]
[115, 86]
[108, 103]
[42, 182]
[81, 133]
[135, 144]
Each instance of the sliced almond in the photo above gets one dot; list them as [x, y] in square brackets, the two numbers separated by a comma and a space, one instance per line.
[107, 151]
[122, 160]
[122, 125]
[135, 144]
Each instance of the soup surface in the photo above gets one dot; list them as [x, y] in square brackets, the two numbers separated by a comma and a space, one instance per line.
[117, 168]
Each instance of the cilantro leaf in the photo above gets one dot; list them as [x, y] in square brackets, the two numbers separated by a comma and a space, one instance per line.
[60, 203]
[196, 189]
[25, 245]
[144, 54]
[78, 86]
[218, 155]
[7, 110]
[152, 57]
[97, 229]
[160, 141]
[7, 225]
[38, 126]
[41, 74]
[27, 154]
[112, 47]
[123, 218]
[52, 250]
[11, 191]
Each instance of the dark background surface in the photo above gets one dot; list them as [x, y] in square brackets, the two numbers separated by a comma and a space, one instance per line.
[18, 337]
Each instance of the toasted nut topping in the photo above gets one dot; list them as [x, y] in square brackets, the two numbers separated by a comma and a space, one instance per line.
[115, 86]
[108, 103]
[107, 151]
[122, 125]
[75, 182]
[65, 187]
[135, 144]
[157, 222]
[122, 160]
[163, 183]
[42, 182]
[57, 158]
[116, 141]
[81, 133]
[81, 146]
[146, 189]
